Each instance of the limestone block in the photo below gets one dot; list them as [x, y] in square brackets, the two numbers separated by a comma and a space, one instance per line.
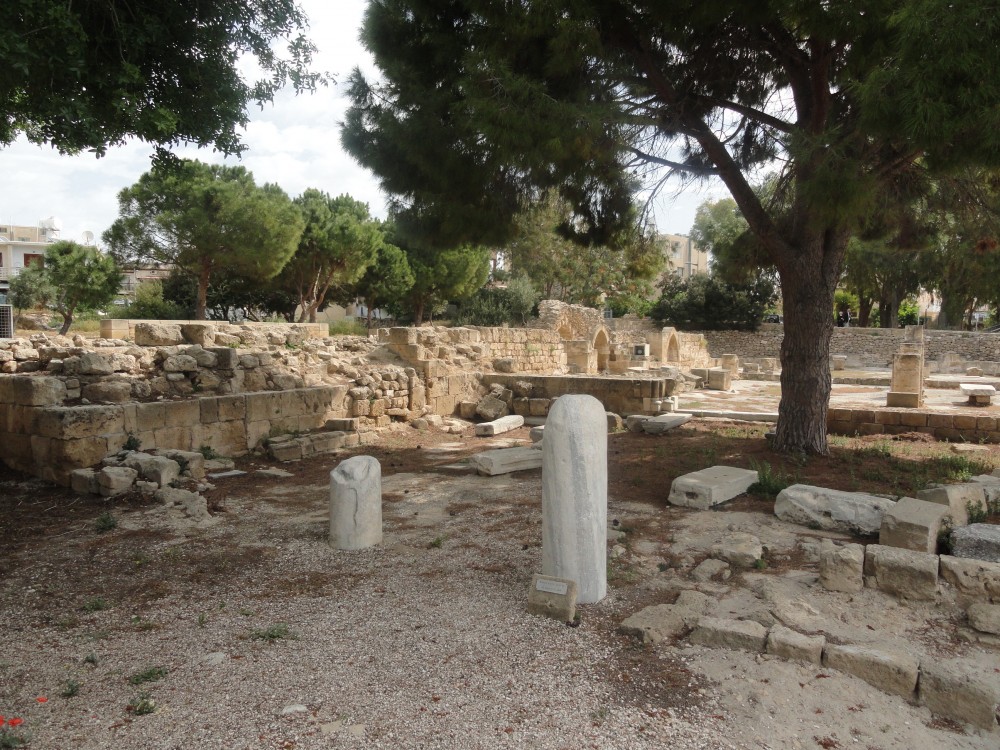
[114, 480]
[913, 524]
[832, 510]
[84, 481]
[708, 487]
[615, 423]
[537, 433]
[708, 569]
[79, 421]
[794, 646]
[348, 424]
[192, 463]
[889, 671]
[199, 333]
[841, 568]
[506, 460]
[93, 363]
[973, 579]
[978, 395]
[356, 503]
[552, 597]
[159, 469]
[958, 497]
[739, 549]
[980, 541]
[538, 407]
[26, 390]
[327, 442]
[226, 358]
[185, 413]
[634, 422]
[948, 690]
[193, 505]
[664, 422]
[575, 495]
[490, 407]
[903, 572]
[991, 486]
[662, 622]
[285, 451]
[742, 635]
[719, 379]
[499, 426]
[985, 617]
[151, 333]
[108, 391]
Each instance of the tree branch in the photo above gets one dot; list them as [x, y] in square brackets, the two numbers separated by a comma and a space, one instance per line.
[754, 114]
[693, 169]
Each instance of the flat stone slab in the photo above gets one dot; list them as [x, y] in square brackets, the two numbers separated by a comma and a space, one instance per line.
[226, 474]
[739, 549]
[976, 389]
[832, 510]
[743, 635]
[889, 671]
[948, 690]
[664, 422]
[711, 486]
[913, 524]
[985, 617]
[506, 460]
[973, 579]
[903, 572]
[792, 645]
[500, 426]
[661, 622]
[978, 541]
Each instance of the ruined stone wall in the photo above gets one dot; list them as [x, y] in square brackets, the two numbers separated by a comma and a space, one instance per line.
[952, 427]
[619, 395]
[873, 347]
[572, 322]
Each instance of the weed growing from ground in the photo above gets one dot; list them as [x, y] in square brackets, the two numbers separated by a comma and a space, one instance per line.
[436, 543]
[141, 705]
[90, 658]
[208, 452]
[71, 688]
[105, 522]
[132, 443]
[273, 633]
[95, 605]
[769, 482]
[150, 674]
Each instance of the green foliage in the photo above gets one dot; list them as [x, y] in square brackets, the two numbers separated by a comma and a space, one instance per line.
[95, 605]
[769, 482]
[207, 220]
[70, 689]
[339, 243]
[150, 674]
[148, 304]
[845, 300]
[30, 288]
[347, 328]
[109, 71]
[708, 303]
[441, 276]
[496, 306]
[105, 522]
[272, 633]
[909, 313]
[625, 304]
[523, 297]
[388, 278]
[142, 705]
[82, 277]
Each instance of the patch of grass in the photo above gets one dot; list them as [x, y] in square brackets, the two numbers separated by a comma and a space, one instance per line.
[150, 674]
[273, 633]
[95, 605]
[9, 739]
[202, 619]
[141, 705]
[132, 443]
[348, 328]
[436, 543]
[105, 522]
[958, 468]
[881, 449]
[70, 689]
[769, 482]
[977, 513]
[90, 658]
[208, 452]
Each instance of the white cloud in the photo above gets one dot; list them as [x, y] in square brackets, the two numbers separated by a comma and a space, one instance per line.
[295, 143]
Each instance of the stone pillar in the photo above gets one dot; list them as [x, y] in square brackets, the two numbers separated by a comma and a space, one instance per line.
[575, 495]
[356, 503]
[731, 362]
[907, 385]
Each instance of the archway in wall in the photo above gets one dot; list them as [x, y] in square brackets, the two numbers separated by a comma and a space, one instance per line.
[673, 349]
[603, 348]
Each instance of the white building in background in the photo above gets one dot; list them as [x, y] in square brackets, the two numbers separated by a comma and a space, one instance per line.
[683, 257]
[20, 246]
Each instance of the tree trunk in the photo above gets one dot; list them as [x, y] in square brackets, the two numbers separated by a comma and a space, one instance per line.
[808, 282]
[865, 305]
[418, 313]
[67, 322]
[202, 301]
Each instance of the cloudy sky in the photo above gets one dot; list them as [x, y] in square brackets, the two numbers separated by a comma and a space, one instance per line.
[294, 143]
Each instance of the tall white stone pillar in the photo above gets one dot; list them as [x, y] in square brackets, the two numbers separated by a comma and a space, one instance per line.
[575, 495]
[356, 503]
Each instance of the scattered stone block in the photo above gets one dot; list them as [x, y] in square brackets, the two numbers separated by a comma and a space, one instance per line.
[913, 524]
[575, 495]
[958, 497]
[838, 361]
[794, 646]
[634, 422]
[114, 480]
[537, 433]
[889, 671]
[84, 481]
[356, 503]
[905, 573]
[985, 617]
[979, 541]
[159, 469]
[615, 423]
[192, 463]
[499, 426]
[741, 550]
[506, 460]
[742, 635]
[274, 473]
[149, 333]
[708, 487]
[226, 474]
[708, 569]
[327, 442]
[949, 691]
[194, 506]
[832, 510]
[289, 450]
[490, 407]
[349, 424]
[664, 422]
[467, 409]
[973, 579]
[552, 597]
[978, 395]
[841, 568]
[719, 379]
[662, 622]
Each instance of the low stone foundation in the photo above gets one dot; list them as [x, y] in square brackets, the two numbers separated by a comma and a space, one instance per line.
[618, 395]
[958, 427]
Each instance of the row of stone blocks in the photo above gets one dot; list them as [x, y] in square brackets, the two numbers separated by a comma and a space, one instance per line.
[969, 427]
[943, 688]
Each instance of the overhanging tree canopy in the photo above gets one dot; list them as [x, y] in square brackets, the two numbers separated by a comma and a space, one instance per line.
[86, 75]
[486, 103]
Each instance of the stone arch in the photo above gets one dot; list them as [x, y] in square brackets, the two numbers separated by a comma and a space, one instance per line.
[673, 348]
[602, 346]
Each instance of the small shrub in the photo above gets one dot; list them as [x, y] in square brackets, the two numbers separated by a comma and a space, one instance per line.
[105, 522]
[70, 689]
[141, 705]
[273, 633]
[90, 658]
[977, 513]
[132, 443]
[436, 543]
[202, 619]
[208, 452]
[95, 605]
[150, 674]
[769, 482]
[348, 328]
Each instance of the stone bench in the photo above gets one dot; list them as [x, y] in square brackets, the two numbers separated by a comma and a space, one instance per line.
[978, 395]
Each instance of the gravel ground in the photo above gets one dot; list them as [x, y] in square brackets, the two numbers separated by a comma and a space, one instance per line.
[253, 633]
